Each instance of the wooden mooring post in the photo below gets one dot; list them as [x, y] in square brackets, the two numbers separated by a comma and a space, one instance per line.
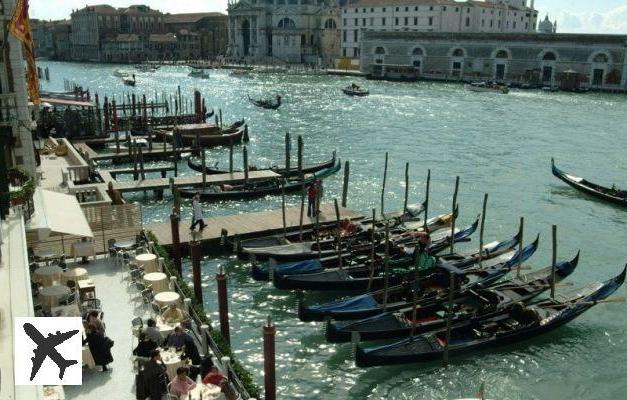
[481, 229]
[245, 150]
[345, 184]
[196, 256]
[521, 233]
[553, 259]
[385, 174]
[454, 216]
[269, 379]
[230, 157]
[288, 151]
[425, 227]
[223, 305]
[176, 240]
[449, 317]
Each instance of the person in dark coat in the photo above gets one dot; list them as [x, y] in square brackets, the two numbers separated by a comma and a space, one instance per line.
[191, 352]
[99, 345]
[145, 346]
[154, 376]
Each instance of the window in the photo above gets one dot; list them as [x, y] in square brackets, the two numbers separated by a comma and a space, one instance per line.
[491, 23]
[396, 21]
[417, 63]
[430, 21]
[601, 58]
[356, 35]
[371, 21]
[415, 20]
[356, 21]
[526, 25]
[468, 10]
[372, 10]
[406, 21]
[456, 9]
[499, 24]
[457, 65]
[382, 21]
[383, 9]
[344, 36]
[416, 8]
[344, 52]
[431, 8]
[417, 52]
[444, 8]
[406, 9]
[396, 8]
[363, 22]
[345, 23]
[379, 50]
[482, 23]
[467, 21]
[363, 10]
[514, 25]
[287, 23]
[458, 53]
[502, 54]
[357, 11]
[344, 13]
[356, 52]
[549, 56]
[330, 24]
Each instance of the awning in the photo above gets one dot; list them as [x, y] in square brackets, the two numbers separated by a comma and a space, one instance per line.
[57, 214]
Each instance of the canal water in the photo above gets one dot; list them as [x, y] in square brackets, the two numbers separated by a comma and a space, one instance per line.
[497, 144]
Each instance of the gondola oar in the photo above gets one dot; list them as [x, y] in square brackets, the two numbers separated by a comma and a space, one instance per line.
[386, 282]
[372, 251]
[485, 202]
[427, 201]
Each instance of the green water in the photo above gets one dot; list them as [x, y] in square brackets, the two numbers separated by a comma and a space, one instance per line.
[497, 144]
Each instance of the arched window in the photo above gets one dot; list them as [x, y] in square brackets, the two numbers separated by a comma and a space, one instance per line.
[287, 23]
[549, 56]
[458, 53]
[601, 58]
[379, 50]
[502, 54]
[417, 52]
[330, 24]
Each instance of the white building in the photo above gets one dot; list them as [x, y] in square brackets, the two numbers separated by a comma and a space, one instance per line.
[285, 30]
[497, 16]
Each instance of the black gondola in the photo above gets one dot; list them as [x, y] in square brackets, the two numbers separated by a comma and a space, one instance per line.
[397, 297]
[196, 165]
[255, 189]
[469, 305]
[616, 196]
[514, 324]
[354, 90]
[267, 104]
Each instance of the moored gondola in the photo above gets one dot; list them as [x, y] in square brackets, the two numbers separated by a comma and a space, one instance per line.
[397, 297]
[514, 324]
[255, 189]
[470, 304]
[614, 195]
[196, 165]
[267, 104]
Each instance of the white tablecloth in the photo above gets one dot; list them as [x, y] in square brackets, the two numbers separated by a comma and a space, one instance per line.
[165, 328]
[209, 392]
[158, 281]
[88, 359]
[54, 393]
[172, 361]
[74, 274]
[45, 276]
[50, 296]
[165, 298]
[71, 310]
[83, 249]
[148, 262]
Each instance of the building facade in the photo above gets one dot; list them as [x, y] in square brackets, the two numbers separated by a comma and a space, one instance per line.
[211, 28]
[597, 61]
[489, 16]
[293, 31]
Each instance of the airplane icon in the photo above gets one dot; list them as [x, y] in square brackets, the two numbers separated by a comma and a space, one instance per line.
[46, 348]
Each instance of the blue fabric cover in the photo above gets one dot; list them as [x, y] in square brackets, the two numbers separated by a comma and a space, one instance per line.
[301, 267]
[354, 303]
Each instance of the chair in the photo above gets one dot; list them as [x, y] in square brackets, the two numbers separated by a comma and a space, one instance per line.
[147, 295]
[111, 246]
[135, 274]
[155, 309]
[170, 395]
[91, 304]
[71, 285]
[69, 299]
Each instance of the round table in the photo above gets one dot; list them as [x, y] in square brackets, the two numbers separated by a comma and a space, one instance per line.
[165, 298]
[165, 328]
[208, 391]
[158, 281]
[75, 274]
[172, 361]
[50, 295]
[45, 276]
[148, 262]
[124, 244]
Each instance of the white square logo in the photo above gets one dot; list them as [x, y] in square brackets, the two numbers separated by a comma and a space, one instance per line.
[48, 351]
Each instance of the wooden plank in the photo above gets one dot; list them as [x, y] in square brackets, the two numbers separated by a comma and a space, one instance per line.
[248, 225]
[126, 171]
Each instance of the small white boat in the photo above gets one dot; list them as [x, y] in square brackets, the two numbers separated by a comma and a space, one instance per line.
[120, 73]
[487, 87]
[199, 73]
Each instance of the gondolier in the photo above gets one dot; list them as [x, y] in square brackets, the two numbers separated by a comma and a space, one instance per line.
[312, 195]
[197, 217]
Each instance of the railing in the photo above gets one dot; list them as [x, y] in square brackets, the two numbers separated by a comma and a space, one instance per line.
[203, 336]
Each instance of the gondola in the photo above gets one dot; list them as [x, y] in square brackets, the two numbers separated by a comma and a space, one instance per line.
[306, 250]
[212, 130]
[471, 304]
[397, 297]
[357, 279]
[515, 323]
[613, 195]
[128, 81]
[196, 165]
[267, 104]
[361, 266]
[355, 91]
[255, 189]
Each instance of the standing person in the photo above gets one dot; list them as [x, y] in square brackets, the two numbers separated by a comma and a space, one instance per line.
[320, 193]
[312, 194]
[99, 346]
[197, 213]
[154, 375]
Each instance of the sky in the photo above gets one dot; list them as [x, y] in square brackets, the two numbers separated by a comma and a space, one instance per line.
[573, 16]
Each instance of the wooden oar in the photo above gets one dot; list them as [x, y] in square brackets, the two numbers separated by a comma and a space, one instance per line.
[617, 299]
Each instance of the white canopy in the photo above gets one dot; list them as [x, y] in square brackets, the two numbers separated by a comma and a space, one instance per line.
[58, 214]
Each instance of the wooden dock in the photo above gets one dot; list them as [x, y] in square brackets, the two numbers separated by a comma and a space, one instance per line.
[114, 172]
[247, 225]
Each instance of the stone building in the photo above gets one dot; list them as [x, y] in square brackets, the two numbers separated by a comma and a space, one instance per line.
[598, 61]
[495, 16]
[292, 31]
[546, 26]
[43, 37]
[211, 28]
[62, 31]
[136, 48]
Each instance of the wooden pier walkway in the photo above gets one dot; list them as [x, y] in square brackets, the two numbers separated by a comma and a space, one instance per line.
[247, 225]
[114, 172]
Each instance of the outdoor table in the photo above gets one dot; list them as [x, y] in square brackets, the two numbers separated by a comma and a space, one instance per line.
[51, 295]
[172, 361]
[83, 249]
[71, 310]
[124, 244]
[147, 262]
[208, 392]
[74, 274]
[88, 358]
[54, 393]
[165, 328]
[158, 281]
[46, 276]
[165, 298]
[86, 289]
[46, 256]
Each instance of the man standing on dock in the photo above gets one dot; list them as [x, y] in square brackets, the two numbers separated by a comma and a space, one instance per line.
[197, 213]
[312, 196]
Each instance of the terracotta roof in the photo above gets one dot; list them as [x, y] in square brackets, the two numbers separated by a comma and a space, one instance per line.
[189, 18]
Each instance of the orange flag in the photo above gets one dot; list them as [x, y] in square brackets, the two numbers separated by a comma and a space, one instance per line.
[19, 26]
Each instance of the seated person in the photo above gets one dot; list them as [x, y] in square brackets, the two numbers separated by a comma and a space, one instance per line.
[178, 338]
[214, 377]
[152, 331]
[145, 346]
[205, 366]
[173, 314]
[181, 384]
[154, 375]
